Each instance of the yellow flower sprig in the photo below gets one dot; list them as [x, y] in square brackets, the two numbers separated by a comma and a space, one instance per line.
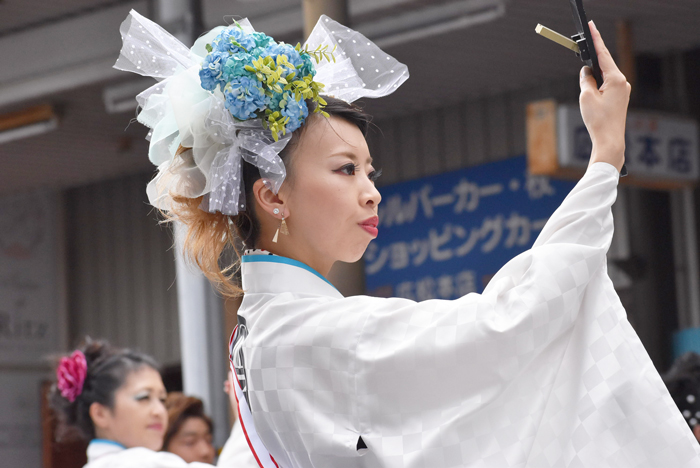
[276, 122]
[275, 76]
[269, 72]
[319, 53]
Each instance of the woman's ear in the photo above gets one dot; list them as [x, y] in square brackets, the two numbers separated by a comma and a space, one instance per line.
[100, 415]
[267, 199]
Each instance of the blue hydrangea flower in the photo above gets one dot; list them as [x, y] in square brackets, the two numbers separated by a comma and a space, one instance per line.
[257, 52]
[273, 102]
[261, 40]
[235, 66]
[210, 74]
[307, 67]
[296, 111]
[244, 98]
[222, 43]
[293, 56]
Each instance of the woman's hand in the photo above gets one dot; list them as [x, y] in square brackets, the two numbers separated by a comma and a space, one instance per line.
[604, 110]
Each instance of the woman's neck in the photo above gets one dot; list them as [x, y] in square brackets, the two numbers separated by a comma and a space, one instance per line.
[285, 248]
[108, 441]
[102, 435]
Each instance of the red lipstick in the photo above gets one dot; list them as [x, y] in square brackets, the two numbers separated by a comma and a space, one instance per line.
[370, 225]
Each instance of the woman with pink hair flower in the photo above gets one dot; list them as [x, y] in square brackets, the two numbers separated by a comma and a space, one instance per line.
[115, 399]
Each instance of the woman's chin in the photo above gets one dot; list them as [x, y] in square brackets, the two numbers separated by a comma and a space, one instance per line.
[356, 254]
[154, 444]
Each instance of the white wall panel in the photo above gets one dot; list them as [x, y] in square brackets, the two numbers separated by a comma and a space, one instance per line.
[122, 272]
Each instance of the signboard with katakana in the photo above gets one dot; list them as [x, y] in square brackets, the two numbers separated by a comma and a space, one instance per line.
[658, 146]
[445, 236]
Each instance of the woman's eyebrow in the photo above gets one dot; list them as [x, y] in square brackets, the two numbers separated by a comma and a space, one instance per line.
[352, 156]
[150, 389]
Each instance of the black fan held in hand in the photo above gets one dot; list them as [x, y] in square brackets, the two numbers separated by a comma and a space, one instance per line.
[581, 44]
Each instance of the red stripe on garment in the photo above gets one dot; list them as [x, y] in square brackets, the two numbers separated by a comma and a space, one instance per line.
[240, 419]
[238, 408]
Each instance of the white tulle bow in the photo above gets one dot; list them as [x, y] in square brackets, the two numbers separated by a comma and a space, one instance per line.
[180, 112]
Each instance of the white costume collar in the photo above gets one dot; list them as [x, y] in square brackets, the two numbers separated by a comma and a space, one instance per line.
[100, 447]
[264, 272]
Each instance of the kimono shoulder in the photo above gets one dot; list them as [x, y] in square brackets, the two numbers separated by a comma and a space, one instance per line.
[100, 455]
[541, 370]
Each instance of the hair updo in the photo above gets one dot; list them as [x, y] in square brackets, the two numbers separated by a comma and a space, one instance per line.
[107, 370]
[210, 236]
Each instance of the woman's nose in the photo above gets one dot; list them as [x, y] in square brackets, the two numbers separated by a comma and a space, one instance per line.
[206, 450]
[159, 409]
[371, 195]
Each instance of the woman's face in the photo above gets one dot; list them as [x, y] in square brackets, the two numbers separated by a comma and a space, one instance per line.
[330, 203]
[138, 418]
[193, 441]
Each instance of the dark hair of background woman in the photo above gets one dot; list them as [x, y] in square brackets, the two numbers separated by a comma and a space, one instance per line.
[180, 408]
[107, 370]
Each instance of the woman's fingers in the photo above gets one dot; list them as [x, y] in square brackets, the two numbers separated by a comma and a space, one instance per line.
[588, 83]
[605, 60]
[604, 110]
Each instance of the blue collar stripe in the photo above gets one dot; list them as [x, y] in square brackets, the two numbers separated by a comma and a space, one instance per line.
[285, 260]
[106, 441]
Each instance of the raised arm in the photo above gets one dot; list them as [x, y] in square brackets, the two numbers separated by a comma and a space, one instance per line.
[521, 319]
[604, 110]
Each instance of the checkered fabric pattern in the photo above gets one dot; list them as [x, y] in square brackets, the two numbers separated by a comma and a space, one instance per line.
[541, 370]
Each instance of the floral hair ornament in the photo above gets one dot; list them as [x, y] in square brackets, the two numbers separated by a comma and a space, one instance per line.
[70, 375]
[237, 95]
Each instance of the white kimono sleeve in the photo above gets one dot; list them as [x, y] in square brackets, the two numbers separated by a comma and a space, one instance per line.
[236, 452]
[541, 370]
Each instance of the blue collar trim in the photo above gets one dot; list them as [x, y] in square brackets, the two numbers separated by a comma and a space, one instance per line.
[106, 441]
[285, 260]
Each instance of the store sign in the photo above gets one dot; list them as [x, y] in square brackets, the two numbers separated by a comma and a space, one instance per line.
[658, 147]
[445, 236]
[28, 298]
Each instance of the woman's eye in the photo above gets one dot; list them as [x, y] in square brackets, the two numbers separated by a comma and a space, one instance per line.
[348, 169]
[374, 175]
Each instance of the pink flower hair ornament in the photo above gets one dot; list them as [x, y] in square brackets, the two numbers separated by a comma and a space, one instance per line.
[70, 375]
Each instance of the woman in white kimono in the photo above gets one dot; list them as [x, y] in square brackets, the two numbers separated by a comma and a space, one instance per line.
[541, 370]
[115, 399]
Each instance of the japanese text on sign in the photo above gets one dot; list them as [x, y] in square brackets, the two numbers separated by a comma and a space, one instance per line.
[656, 146]
[444, 236]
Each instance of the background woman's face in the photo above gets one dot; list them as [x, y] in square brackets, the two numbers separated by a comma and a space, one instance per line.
[193, 442]
[331, 198]
[138, 418]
